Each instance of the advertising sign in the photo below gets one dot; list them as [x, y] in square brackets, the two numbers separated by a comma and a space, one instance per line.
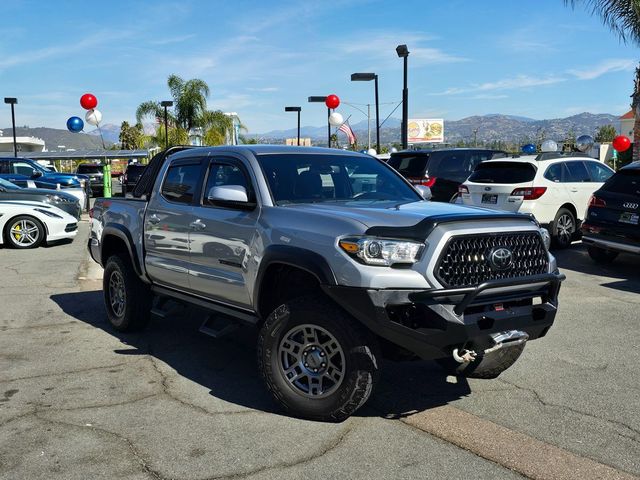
[423, 130]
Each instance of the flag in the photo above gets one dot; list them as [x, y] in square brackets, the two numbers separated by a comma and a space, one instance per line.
[346, 129]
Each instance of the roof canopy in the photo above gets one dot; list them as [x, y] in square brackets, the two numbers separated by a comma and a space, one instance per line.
[87, 155]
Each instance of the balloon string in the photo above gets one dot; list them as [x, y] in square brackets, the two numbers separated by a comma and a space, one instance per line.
[101, 138]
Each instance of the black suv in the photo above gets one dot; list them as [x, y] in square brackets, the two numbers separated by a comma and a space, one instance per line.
[611, 224]
[95, 174]
[441, 170]
[131, 176]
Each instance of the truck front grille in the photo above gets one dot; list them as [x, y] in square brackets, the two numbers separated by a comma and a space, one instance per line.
[466, 259]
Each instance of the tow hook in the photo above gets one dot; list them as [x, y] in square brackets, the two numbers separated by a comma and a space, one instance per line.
[464, 356]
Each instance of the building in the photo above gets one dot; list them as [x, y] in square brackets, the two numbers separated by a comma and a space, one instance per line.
[24, 144]
[304, 142]
[626, 124]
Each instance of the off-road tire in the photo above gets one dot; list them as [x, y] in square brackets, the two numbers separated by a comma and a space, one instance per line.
[558, 239]
[600, 255]
[137, 296]
[12, 242]
[488, 366]
[361, 355]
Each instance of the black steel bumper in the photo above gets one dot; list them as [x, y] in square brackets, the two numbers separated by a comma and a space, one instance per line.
[431, 323]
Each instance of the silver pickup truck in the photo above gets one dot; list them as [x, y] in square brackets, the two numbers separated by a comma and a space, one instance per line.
[334, 257]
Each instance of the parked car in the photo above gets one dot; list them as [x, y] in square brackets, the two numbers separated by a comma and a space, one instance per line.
[95, 174]
[441, 170]
[553, 187]
[131, 176]
[57, 198]
[329, 269]
[27, 173]
[611, 224]
[29, 224]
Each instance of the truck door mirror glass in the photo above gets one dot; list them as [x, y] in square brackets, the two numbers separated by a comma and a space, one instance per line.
[36, 174]
[425, 192]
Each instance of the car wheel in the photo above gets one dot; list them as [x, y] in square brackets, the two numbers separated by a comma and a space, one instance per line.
[24, 231]
[317, 362]
[600, 255]
[126, 297]
[564, 228]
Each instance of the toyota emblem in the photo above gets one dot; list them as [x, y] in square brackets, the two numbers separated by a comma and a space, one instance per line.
[500, 258]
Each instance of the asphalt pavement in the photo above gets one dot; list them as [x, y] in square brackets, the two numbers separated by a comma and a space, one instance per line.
[79, 400]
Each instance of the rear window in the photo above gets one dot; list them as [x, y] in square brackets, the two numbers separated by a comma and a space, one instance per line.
[503, 172]
[135, 169]
[89, 169]
[625, 181]
[410, 165]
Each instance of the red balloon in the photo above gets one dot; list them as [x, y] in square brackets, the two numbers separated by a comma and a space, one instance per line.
[88, 101]
[332, 101]
[621, 143]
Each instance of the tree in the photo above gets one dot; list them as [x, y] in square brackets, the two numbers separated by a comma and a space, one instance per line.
[569, 140]
[622, 17]
[132, 138]
[606, 133]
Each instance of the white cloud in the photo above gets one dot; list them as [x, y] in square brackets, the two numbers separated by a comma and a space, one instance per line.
[488, 96]
[513, 83]
[171, 40]
[263, 89]
[604, 67]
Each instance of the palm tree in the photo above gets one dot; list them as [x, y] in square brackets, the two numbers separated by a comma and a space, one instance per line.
[623, 18]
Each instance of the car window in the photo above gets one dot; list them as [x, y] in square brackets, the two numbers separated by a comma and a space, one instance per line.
[598, 172]
[478, 157]
[577, 172]
[22, 168]
[556, 173]
[410, 165]
[503, 172]
[181, 182]
[4, 167]
[89, 169]
[452, 166]
[624, 181]
[222, 175]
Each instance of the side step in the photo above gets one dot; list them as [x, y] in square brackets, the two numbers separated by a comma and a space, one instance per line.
[218, 326]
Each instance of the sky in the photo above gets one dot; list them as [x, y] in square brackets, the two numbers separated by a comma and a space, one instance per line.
[534, 58]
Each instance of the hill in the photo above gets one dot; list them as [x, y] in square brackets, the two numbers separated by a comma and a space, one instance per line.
[55, 136]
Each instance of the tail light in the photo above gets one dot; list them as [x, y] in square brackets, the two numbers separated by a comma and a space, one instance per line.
[529, 193]
[463, 189]
[427, 181]
[597, 202]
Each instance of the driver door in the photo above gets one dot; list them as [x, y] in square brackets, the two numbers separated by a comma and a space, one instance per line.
[21, 173]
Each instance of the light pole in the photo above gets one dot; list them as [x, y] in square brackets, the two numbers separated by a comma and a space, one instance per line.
[320, 99]
[403, 52]
[12, 101]
[368, 114]
[367, 77]
[166, 104]
[295, 109]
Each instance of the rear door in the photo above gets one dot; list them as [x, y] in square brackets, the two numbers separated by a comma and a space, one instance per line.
[167, 223]
[222, 234]
[579, 185]
[492, 183]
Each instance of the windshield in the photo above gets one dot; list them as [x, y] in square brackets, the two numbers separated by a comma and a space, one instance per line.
[296, 178]
[503, 172]
[8, 185]
[89, 169]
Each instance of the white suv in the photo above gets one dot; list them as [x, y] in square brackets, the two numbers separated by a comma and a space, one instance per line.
[555, 188]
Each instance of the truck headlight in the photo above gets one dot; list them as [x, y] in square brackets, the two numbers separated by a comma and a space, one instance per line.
[546, 238]
[382, 251]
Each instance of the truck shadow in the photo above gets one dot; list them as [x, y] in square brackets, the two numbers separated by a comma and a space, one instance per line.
[622, 274]
[227, 366]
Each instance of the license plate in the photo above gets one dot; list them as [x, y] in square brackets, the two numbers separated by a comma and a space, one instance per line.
[628, 217]
[489, 198]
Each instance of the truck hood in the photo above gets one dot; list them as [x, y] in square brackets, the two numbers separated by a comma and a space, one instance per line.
[389, 214]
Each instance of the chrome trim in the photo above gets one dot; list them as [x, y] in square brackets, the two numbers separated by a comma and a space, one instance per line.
[612, 245]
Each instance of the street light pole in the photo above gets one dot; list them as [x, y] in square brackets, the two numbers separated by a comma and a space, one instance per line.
[367, 77]
[295, 109]
[12, 101]
[320, 99]
[403, 52]
[166, 104]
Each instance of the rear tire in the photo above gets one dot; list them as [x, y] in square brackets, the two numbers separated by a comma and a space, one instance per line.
[317, 362]
[564, 229]
[127, 299]
[600, 255]
[24, 231]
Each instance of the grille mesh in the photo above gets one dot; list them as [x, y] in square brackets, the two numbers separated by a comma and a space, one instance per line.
[465, 259]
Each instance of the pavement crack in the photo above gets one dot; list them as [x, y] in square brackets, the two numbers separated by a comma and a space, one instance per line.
[68, 372]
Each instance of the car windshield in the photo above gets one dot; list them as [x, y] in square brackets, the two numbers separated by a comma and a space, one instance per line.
[89, 169]
[7, 185]
[296, 178]
[503, 172]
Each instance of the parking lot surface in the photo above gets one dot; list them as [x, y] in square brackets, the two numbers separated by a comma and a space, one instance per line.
[79, 400]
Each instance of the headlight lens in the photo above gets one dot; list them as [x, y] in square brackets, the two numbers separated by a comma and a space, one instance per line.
[382, 251]
[47, 213]
[546, 238]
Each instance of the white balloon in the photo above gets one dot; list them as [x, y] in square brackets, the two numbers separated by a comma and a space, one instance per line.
[336, 119]
[393, 150]
[372, 152]
[549, 146]
[93, 116]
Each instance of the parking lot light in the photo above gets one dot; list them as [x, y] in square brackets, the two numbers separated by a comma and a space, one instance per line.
[295, 109]
[367, 77]
[12, 101]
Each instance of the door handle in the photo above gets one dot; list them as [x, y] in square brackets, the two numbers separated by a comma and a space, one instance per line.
[153, 219]
[197, 225]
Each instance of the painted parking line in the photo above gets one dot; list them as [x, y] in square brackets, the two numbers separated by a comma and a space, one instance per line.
[514, 450]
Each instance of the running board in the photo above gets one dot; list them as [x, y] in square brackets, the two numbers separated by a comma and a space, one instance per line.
[218, 326]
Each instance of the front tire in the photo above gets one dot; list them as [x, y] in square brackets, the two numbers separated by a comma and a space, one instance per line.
[317, 362]
[600, 255]
[564, 228]
[24, 232]
[126, 297]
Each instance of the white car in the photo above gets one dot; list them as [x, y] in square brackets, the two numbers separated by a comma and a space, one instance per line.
[26, 224]
[553, 187]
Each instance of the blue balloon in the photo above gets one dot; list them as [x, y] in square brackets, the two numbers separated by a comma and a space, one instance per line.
[529, 148]
[75, 124]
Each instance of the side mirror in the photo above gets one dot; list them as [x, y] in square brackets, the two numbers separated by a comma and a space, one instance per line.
[425, 192]
[36, 174]
[233, 196]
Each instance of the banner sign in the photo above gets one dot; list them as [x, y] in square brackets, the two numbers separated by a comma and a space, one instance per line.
[423, 130]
